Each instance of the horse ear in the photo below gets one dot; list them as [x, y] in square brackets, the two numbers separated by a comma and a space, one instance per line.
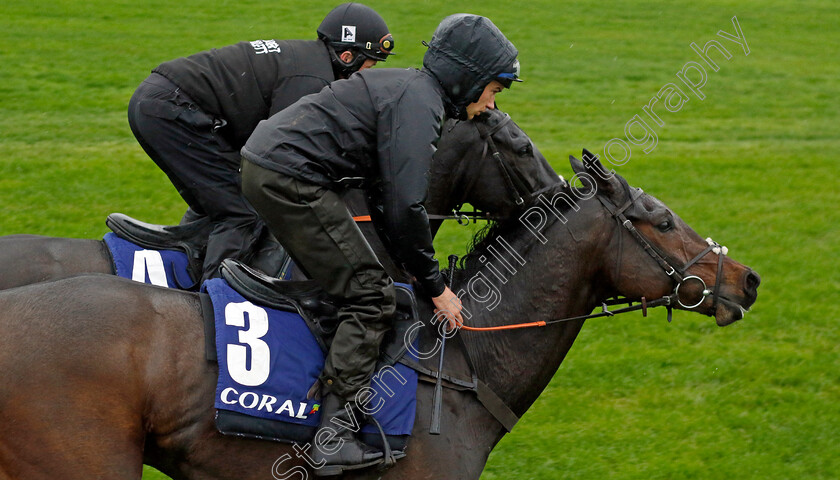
[590, 159]
[577, 165]
[605, 180]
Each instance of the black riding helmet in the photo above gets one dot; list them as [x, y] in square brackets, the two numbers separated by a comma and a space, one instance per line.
[358, 28]
[466, 53]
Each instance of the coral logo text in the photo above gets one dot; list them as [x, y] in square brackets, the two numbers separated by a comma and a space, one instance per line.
[251, 400]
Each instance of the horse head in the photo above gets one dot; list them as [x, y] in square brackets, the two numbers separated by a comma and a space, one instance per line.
[488, 162]
[656, 254]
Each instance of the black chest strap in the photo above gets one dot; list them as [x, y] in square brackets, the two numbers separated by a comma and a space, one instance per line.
[484, 394]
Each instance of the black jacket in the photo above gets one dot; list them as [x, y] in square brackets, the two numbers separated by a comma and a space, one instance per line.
[250, 81]
[379, 125]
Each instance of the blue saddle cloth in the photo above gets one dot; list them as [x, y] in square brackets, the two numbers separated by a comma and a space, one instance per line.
[268, 359]
[164, 268]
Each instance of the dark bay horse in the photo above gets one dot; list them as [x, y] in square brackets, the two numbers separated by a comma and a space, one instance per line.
[99, 375]
[464, 169]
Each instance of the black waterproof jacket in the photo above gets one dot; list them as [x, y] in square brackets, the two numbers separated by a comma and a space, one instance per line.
[244, 83]
[380, 126]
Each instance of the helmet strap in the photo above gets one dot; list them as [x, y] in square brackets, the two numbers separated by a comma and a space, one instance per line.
[453, 111]
[343, 69]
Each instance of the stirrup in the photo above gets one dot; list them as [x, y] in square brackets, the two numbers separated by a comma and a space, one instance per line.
[340, 468]
[388, 460]
[389, 457]
[333, 470]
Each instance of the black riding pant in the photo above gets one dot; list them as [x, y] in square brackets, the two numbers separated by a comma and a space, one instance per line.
[184, 142]
[318, 231]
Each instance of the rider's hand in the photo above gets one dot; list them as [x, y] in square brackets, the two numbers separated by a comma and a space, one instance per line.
[450, 306]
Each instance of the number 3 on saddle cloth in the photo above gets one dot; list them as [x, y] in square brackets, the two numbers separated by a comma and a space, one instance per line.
[270, 342]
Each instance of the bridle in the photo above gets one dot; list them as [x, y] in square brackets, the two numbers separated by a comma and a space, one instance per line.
[521, 191]
[678, 275]
[517, 185]
[489, 399]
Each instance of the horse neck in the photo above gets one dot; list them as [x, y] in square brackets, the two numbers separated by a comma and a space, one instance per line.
[560, 279]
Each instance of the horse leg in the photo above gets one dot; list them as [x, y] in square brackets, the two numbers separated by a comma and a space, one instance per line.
[71, 399]
[197, 450]
[183, 442]
[27, 259]
[468, 433]
[50, 433]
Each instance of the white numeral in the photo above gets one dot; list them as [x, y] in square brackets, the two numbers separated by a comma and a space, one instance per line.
[149, 261]
[237, 355]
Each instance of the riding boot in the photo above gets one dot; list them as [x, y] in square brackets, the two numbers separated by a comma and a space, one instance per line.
[341, 450]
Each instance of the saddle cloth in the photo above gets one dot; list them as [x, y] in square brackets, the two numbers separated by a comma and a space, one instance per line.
[164, 268]
[269, 358]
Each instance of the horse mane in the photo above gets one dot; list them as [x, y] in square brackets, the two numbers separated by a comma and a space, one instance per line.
[511, 229]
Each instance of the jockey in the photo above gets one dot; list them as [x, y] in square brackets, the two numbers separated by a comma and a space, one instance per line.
[193, 114]
[377, 129]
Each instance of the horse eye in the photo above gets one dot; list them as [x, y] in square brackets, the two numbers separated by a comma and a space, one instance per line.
[526, 150]
[665, 226]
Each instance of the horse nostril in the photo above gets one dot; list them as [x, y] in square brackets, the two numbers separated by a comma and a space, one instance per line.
[751, 282]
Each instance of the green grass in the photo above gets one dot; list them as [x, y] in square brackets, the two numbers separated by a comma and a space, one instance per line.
[754, 165]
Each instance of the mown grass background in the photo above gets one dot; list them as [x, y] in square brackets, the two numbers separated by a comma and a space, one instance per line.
[754, 165]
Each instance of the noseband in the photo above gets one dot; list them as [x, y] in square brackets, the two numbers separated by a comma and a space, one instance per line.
[677, 274]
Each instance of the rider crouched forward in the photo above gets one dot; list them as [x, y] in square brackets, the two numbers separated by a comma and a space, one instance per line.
[378, 127]
[193, 114]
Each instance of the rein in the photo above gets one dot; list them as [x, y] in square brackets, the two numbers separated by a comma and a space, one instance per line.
[678, 275]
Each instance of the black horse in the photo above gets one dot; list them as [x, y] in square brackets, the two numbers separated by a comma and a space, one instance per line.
[101, 374]
[474, 163]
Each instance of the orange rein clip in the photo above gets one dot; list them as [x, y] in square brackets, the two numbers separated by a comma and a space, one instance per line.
[362, 218]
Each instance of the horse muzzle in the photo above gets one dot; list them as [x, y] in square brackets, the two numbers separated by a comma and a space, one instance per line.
[729, 310]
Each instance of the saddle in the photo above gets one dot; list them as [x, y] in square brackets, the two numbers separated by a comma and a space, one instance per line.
[162, 237]
[189, 238]
[318, 311]
[317, 308]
